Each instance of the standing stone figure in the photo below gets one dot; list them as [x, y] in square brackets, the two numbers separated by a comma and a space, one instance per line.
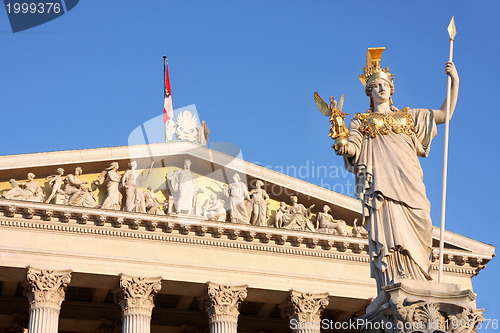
[170, 128]
[326, 223]
[30, 190]
[131, 183]
[111, 178]
[278, 223]
[260, 200]
[298, 216]
[237, 192]
[76, 193]
[203, 133]
[382, 150]
[56, 182]
[184, 188]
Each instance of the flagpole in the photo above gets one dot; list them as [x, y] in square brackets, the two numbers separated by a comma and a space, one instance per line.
[165, 60]
[452, 34]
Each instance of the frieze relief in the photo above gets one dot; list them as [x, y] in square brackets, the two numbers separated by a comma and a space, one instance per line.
[194, 230]
[176, 191]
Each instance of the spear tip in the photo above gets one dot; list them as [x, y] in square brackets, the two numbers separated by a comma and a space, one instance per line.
[452, 30]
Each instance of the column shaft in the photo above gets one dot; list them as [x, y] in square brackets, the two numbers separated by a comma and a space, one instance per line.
[224, 327]
[43, 320]
[136, 323]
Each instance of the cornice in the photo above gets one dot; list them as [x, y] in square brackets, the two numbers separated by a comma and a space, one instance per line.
[196, 231]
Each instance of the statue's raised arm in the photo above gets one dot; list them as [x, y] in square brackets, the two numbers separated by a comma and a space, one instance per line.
[451, 71]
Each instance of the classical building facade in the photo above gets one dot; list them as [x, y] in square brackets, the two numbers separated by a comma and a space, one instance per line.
[192, 262]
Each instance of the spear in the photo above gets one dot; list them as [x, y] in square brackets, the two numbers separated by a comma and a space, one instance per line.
[452, 32]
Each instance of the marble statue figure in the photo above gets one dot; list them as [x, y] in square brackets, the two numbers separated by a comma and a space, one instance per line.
[298, 216]
[29, 190]
[278, 223]
[184, 188]
[382, 150]
[359, 230]
[326, 223]
[214, 209]
[111, 178]
[76, 193]
[260, 200]
[56, 182]
[237, 194]
[203, 133]
[170, 128]
[131, 184]
[153, 205]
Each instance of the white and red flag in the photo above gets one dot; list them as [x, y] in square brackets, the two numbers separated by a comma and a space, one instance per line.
[168, 109]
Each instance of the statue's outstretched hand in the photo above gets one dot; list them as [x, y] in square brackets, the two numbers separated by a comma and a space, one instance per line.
[451, 70]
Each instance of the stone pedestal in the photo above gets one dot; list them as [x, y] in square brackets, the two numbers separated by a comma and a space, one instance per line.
[424, 306]
[45, 292]
[136, 299]
[304, 311]
[222, 305]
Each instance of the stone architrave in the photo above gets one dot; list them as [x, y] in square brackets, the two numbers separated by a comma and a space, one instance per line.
[304, 311]
[409, 306]
[45, 292]
[136, 299]
[222, 305]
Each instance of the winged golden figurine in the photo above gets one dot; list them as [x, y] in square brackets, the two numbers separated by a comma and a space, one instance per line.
[338, 131]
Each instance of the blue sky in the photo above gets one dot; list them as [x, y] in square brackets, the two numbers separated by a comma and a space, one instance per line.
[88, 78]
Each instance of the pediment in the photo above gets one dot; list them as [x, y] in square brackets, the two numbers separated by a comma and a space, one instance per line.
[212, 168]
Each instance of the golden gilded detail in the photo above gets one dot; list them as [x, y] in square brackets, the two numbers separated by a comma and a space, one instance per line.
[373, 124]
[373, 71]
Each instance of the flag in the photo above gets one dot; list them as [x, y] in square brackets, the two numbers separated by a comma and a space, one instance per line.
[168, 109]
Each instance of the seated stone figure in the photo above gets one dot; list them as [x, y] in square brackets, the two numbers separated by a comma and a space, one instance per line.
[327, 224]
[30, 190]
[153, 205]
[297, 217]
[76, 193]
[214, 209]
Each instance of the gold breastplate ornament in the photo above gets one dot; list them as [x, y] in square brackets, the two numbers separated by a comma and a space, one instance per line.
[373, 124]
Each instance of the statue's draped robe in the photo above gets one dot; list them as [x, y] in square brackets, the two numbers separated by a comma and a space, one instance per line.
[184, 182]
[134, 197]
[259, 207]
[237, 192]
[113, 197]
[389, 181]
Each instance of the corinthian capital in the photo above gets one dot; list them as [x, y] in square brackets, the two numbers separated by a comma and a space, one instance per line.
[136, 294]
[46, 287]
[222, 302]
[304, 307]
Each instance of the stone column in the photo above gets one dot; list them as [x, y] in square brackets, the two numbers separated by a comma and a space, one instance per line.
[45, 293]
[135, 297]
[304, 311]
[222, 305]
